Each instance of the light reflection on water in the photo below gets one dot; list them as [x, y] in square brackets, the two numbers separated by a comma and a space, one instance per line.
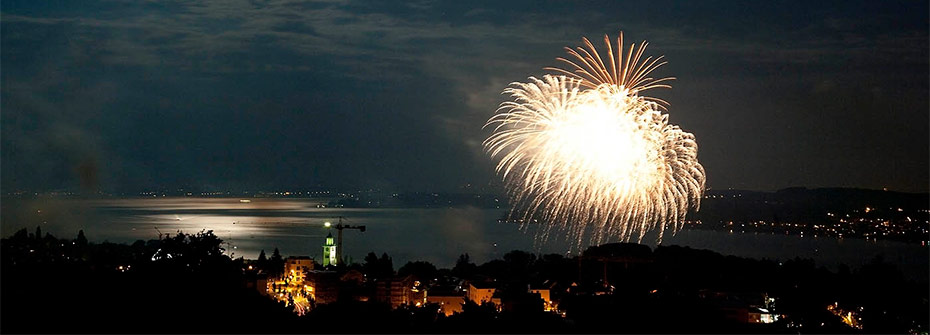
[439, 236]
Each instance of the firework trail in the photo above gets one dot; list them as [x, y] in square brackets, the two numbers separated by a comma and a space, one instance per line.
[585, 151]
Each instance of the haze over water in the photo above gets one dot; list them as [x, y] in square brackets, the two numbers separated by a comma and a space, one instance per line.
[436, 235]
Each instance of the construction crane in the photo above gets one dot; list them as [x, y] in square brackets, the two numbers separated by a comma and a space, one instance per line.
[339, 227]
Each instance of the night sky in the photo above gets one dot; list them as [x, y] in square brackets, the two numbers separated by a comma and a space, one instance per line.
[132, 95]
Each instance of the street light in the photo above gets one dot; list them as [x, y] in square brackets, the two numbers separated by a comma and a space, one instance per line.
[327, 224]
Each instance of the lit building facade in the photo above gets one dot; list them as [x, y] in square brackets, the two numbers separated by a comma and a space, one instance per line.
[400, 291]
[294, 287]
[297, 267]
[329, 251]
[548, 304]
[481, 293]
[324, 286]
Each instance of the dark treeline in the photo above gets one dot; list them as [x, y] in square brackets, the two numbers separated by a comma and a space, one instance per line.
[185, 283]
[179, 284]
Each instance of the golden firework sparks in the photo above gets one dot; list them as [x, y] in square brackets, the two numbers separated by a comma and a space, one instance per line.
[585, 149]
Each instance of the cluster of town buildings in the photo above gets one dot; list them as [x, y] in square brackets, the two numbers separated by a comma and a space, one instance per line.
[304, 286]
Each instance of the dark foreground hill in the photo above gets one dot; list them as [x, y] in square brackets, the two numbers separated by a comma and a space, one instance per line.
[187, 284]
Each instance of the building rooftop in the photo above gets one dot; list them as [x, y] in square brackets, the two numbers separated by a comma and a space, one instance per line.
[483, 285]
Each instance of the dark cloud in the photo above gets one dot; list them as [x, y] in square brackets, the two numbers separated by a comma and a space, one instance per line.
[265, 94]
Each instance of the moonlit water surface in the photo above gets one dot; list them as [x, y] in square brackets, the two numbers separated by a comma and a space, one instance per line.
[437, 235]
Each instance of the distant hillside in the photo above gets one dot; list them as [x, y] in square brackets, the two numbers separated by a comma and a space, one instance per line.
[800, 204]
[422, 200]
[795, 204]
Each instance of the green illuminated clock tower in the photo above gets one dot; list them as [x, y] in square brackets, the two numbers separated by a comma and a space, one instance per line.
[329, 251]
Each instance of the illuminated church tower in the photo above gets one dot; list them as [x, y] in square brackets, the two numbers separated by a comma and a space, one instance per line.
[329, 251]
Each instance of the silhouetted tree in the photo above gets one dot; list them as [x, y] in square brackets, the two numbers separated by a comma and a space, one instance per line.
[484, 312]
[262, 261]
[370, 267]
[386, 265]
[81, 239]
[38, 233]
[378, 268]
[198, 300]
[519, 264]
[464, 268]
[495, 268]
[192, 251]
[276, 262]
[21, 235]
[556, 267]
[422, 270]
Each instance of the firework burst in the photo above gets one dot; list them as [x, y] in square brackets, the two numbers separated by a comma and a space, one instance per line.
[585, 151]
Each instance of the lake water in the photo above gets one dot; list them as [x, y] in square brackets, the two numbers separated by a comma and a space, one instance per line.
[439, 236]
